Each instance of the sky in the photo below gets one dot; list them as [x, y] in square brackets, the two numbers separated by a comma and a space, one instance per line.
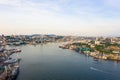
[61, 17]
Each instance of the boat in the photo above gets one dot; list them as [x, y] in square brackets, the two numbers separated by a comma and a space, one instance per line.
[95, 59]
[11, 61]
[63, 47]
[15, 50]
[18, 50]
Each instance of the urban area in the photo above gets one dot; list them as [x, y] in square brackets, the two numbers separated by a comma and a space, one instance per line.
[104, 48]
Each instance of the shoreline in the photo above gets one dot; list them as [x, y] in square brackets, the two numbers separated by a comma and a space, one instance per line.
[95, 55]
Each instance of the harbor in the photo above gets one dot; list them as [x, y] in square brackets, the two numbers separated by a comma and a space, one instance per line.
[49, 62]
[59, 40]
[59, 59]
[9, 66]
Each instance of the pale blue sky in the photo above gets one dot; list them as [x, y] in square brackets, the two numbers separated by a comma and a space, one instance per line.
[64, 17]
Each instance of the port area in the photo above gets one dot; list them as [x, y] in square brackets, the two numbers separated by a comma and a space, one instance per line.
[9, 67]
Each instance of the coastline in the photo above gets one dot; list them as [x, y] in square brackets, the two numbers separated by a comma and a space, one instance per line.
[94, 54]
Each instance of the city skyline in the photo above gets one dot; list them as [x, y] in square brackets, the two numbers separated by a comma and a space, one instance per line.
[63, 17]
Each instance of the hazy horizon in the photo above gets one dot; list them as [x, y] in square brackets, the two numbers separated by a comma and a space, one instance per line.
[61, 17]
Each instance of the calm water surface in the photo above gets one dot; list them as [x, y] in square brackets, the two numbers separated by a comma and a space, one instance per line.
[48, 62]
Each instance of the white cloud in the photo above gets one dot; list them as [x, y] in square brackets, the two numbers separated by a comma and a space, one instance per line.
[58, 17]
[112, 3]
[10, 2]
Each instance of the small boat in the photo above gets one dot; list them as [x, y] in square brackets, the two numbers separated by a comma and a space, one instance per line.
[95, 59]
[11, 61]
[63, 47]
[18, 50]
[15, 50]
